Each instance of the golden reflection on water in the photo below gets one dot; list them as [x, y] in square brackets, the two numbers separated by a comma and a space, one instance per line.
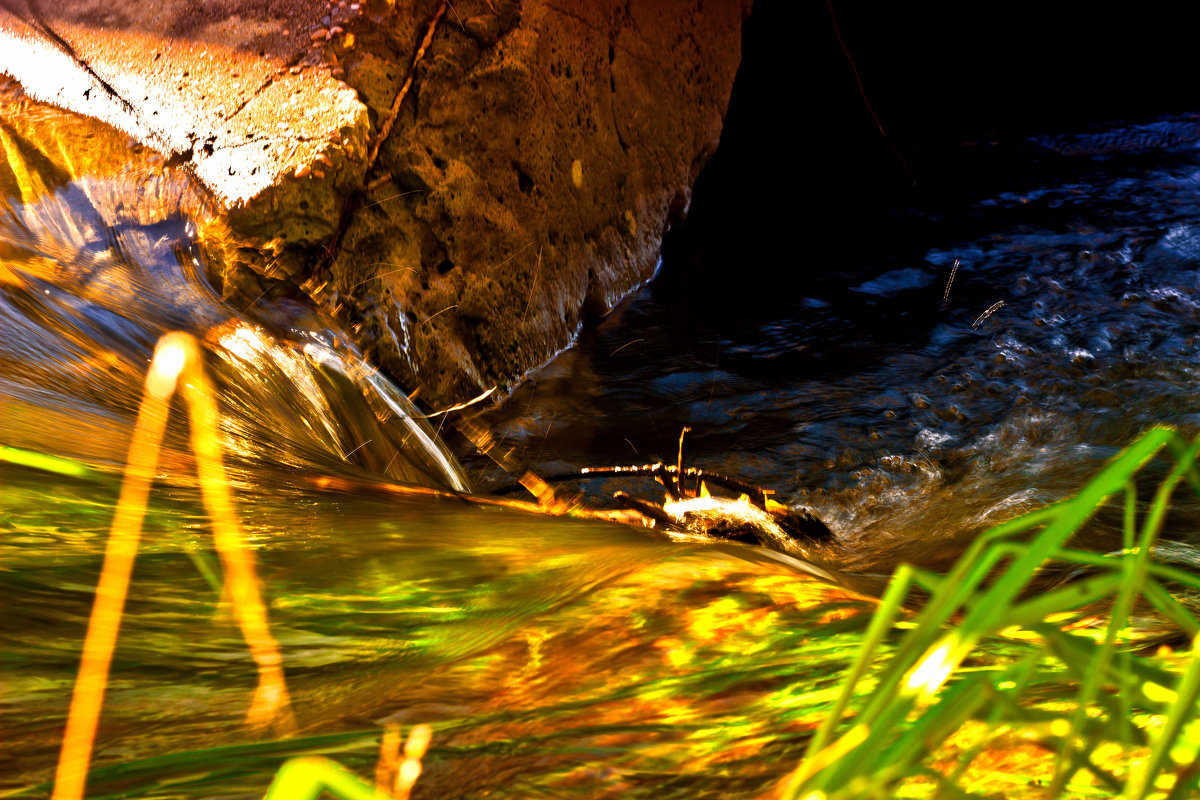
[551, 657]
[177, 358]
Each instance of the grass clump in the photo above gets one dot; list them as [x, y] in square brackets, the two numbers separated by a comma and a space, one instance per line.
[996, 690]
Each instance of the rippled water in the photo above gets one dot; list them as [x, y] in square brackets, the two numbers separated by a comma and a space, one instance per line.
[856, 390]
[101, 256]
[553, 657]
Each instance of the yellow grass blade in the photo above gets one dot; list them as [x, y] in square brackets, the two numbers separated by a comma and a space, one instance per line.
[389, 759]
[410, 768]
[177, 357]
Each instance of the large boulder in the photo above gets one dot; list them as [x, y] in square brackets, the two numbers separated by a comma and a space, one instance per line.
[539, 156]
[532, 175]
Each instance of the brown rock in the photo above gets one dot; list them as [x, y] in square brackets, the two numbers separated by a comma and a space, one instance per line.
[224, 85]
[547, 149]
[541, 153]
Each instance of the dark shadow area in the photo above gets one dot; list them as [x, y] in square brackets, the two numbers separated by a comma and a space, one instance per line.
[802, 186]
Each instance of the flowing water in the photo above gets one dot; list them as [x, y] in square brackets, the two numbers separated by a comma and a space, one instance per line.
[905, 417]
[553, 657]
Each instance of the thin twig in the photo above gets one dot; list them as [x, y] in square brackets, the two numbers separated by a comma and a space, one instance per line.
[537, 270]
[368, 189]
[679, 463]
[353, 203]
[514, 255]
[949, 283]
[463, 405]
[457, 16]
[994, 308]
[443, 311]
[381, 275]
[622, 347]
[388, 121]
[355, 450]
[255, 300]
[486, 443]
[545, 437]
[863, 93]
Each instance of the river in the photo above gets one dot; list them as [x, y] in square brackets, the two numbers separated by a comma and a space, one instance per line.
[556, 657]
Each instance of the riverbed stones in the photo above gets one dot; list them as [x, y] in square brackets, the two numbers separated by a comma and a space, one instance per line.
[540, 155]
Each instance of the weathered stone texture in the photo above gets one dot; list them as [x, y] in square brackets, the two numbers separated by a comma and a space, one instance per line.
[540, 155]
[547, 148]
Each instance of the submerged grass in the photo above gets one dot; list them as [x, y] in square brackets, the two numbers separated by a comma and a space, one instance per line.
[993, 690]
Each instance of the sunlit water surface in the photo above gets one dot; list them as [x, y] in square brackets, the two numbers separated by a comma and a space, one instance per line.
[553, 658]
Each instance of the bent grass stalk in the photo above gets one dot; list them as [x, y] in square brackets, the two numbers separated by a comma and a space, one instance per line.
[176, 358]
[395, 777]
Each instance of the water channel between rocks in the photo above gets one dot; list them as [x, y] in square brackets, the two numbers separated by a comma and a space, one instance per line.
[559, 657]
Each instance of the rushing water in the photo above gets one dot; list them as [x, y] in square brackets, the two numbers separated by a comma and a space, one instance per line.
[552, 657]
[862, 390]
[100, 260]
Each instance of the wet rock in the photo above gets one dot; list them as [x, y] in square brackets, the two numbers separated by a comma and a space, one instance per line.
[531, 178]
[541, 152]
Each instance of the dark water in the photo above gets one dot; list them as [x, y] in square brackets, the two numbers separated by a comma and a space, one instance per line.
[556, 657]
[851, 387]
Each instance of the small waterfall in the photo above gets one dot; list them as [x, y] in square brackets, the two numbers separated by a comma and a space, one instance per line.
[99, 257]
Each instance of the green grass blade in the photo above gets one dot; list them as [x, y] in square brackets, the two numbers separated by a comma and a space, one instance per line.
[927, 662]
[1181, 712]
[46, 463]
[1072, 595]
[306, 778]
[1174, 610]
[881, 623]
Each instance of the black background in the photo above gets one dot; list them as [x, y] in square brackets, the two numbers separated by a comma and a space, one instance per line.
[803, 178]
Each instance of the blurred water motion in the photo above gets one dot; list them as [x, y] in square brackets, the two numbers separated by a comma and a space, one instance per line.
[850, 386]
[552, 657]
[102, 250]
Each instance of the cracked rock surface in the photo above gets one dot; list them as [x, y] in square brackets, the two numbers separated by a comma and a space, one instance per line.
[232, 88]
[541, 153]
